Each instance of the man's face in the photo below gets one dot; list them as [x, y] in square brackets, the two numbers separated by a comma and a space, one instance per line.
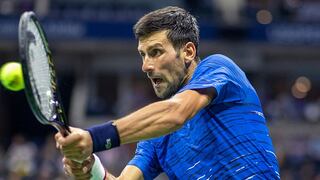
[164, 67]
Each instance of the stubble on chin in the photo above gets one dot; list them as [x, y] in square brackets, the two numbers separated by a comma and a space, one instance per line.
[167, 92]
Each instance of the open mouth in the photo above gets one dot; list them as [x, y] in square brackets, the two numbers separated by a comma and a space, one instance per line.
[156, 81]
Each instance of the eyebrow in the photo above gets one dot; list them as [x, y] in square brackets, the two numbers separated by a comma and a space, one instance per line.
[152, 46]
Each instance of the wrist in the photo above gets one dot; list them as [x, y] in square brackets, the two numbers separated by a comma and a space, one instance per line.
[97, 171]
[104, 137]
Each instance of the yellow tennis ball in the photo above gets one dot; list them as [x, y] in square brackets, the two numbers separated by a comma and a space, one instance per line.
[11, 76]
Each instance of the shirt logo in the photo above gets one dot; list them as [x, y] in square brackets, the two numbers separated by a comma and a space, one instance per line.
[108, 144]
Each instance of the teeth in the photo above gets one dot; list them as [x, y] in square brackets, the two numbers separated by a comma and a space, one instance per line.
[154, 81]
[157, 80]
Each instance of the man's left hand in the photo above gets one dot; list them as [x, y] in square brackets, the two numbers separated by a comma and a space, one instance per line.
[79, 171]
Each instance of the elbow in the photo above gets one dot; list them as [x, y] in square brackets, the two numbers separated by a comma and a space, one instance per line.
[173, 124]
[178, 121]
[175, 116]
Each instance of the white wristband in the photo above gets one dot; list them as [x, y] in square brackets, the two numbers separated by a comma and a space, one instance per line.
[97, 171]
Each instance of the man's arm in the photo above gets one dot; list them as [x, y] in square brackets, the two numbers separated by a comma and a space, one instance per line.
[154, 120]
[92, 167]
[131, 172]
[162, 117]
[128, 173]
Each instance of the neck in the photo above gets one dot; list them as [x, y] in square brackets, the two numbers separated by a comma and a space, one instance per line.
[189, 74]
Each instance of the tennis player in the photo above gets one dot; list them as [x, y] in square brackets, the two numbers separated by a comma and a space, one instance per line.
[210, 124]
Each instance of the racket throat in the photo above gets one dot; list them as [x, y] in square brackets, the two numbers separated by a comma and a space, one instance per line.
[65, 131]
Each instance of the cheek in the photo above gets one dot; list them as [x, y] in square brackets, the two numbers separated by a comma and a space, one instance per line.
[175, 72]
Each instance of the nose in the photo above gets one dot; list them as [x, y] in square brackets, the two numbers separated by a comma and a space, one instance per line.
[147, 66]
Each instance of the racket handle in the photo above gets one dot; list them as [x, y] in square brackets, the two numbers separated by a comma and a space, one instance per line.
[64, 130]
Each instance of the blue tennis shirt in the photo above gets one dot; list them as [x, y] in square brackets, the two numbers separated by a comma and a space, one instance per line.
[228, 139]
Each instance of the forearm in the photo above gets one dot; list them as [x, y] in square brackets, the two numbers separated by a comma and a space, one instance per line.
[98, 172]
[154, 120]
[157, 119]
[110, 177]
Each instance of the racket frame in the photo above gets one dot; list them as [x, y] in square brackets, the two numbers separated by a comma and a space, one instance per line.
[59, 119]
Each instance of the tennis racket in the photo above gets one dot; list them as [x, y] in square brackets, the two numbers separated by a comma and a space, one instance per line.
[39, 74]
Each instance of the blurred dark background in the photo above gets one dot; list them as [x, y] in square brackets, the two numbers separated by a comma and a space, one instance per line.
[276, 42]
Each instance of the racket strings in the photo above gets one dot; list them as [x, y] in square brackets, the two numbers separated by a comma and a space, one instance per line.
[40, 74]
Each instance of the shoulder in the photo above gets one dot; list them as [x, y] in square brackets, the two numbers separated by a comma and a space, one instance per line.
[218, 63]
[214, 63]
[216, 60]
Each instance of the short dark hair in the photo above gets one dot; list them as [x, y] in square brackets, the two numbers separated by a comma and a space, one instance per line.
[181, 25]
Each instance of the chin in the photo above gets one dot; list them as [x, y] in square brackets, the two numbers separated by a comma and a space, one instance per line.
[160, 95]
[165, 94]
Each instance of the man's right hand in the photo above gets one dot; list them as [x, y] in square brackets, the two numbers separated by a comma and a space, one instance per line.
[76, 146]
[79, 171]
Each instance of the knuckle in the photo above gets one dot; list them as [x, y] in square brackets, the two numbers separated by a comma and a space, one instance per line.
[56, 136]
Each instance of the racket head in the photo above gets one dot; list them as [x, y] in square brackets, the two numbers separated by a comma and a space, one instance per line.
[39, 74]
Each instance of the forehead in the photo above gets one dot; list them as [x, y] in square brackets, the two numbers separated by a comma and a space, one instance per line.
[155, 39]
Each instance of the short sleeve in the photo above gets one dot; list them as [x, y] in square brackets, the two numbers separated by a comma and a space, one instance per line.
[208, 77]
[146, 160]
[213, 74]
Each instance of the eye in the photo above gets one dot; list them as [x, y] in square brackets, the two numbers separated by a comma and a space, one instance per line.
[142, 54]
[155, 52]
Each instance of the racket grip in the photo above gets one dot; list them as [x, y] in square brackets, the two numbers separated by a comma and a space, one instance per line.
[64, 130]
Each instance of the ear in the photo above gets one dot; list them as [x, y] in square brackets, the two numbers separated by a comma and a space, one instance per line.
[189, 53]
